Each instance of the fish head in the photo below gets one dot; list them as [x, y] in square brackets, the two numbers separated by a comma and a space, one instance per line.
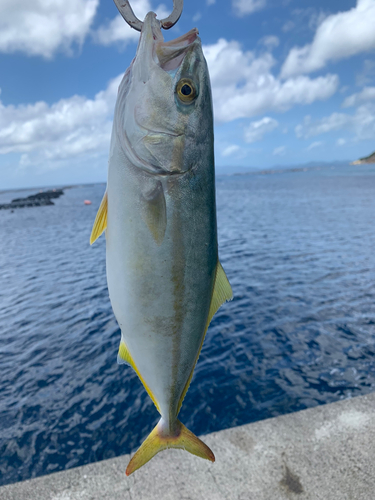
[163, 116]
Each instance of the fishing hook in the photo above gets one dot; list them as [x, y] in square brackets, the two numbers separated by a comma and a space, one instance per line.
[127, 13]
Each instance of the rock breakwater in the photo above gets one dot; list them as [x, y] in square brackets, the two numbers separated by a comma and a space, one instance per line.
[35, 200]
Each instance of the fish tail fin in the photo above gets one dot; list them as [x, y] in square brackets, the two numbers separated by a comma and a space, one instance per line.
[161, 438]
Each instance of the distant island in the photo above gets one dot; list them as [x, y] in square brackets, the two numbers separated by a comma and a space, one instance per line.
[366, 159]
[35, 200]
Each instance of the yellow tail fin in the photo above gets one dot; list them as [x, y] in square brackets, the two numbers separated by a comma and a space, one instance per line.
[161, 439]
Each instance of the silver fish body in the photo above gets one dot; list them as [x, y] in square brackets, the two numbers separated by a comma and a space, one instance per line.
[161, 236]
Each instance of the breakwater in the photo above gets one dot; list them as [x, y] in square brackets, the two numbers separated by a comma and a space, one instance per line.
[324, 453]
[40, 199]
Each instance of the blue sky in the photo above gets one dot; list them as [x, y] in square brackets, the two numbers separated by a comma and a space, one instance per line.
[293, 81]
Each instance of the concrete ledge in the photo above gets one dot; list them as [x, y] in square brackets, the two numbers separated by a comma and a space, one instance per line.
[326, 453]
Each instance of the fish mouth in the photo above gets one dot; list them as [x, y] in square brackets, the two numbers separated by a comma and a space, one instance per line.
[171, 54]
[168, 55]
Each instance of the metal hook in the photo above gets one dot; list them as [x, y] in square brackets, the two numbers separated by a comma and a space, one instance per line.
[127, 13]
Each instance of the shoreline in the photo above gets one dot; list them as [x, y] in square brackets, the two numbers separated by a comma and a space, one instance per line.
[326, 452]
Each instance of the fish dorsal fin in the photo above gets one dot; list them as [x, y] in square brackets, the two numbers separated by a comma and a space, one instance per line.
[221, 293]
[100, 223]
[124, 357]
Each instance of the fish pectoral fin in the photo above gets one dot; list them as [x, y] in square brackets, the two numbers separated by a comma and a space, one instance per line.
[124, 358]
[221, 293]
[161, 438]
[154, 211]
[100, 222]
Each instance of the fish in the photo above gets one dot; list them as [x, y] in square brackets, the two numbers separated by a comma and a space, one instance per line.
[164, 277]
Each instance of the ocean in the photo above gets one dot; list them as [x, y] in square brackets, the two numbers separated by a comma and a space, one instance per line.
[298, 249]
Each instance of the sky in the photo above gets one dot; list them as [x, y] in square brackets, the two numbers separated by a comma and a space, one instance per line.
[293, 81]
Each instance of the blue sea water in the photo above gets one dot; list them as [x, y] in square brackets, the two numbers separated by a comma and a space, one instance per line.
[298, 248]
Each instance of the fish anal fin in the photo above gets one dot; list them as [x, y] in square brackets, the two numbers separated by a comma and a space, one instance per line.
[124, 357]
[100, 222]
[161, 439]
[221, 293]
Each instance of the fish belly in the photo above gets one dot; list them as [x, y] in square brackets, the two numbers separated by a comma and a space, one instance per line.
[161, 286]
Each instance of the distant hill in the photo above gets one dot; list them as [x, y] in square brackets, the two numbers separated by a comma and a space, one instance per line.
[233, 170]
[366, 159]
[230, 170]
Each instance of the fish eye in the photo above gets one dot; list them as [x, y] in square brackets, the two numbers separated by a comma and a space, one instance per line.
[186, 90]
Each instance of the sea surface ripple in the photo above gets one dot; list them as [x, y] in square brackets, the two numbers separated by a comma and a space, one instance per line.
[298, 249]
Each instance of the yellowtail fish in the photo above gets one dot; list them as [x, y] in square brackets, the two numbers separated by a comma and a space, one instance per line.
[164, 278]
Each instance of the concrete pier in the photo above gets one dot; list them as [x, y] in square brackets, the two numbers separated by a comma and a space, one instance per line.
[324, 453]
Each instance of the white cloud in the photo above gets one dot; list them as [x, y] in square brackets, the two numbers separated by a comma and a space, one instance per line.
[244, 7]
[341, 141]
[301, 19]
[256, 130]
[361, 124]
[288, 26]
[309, 128]
[280, 151]
[367, 75]
[210, 2]
[315, 145]
[117, 30]
[69, 128]
[367, 94]
[338, 36]
[43, 27]
[316, 19]
[270, 41]
[197, 17]
[244, 86]
[230, 150]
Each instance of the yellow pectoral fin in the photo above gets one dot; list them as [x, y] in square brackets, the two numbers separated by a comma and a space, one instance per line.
[221, 293]
[100, 223]
[124, 357]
